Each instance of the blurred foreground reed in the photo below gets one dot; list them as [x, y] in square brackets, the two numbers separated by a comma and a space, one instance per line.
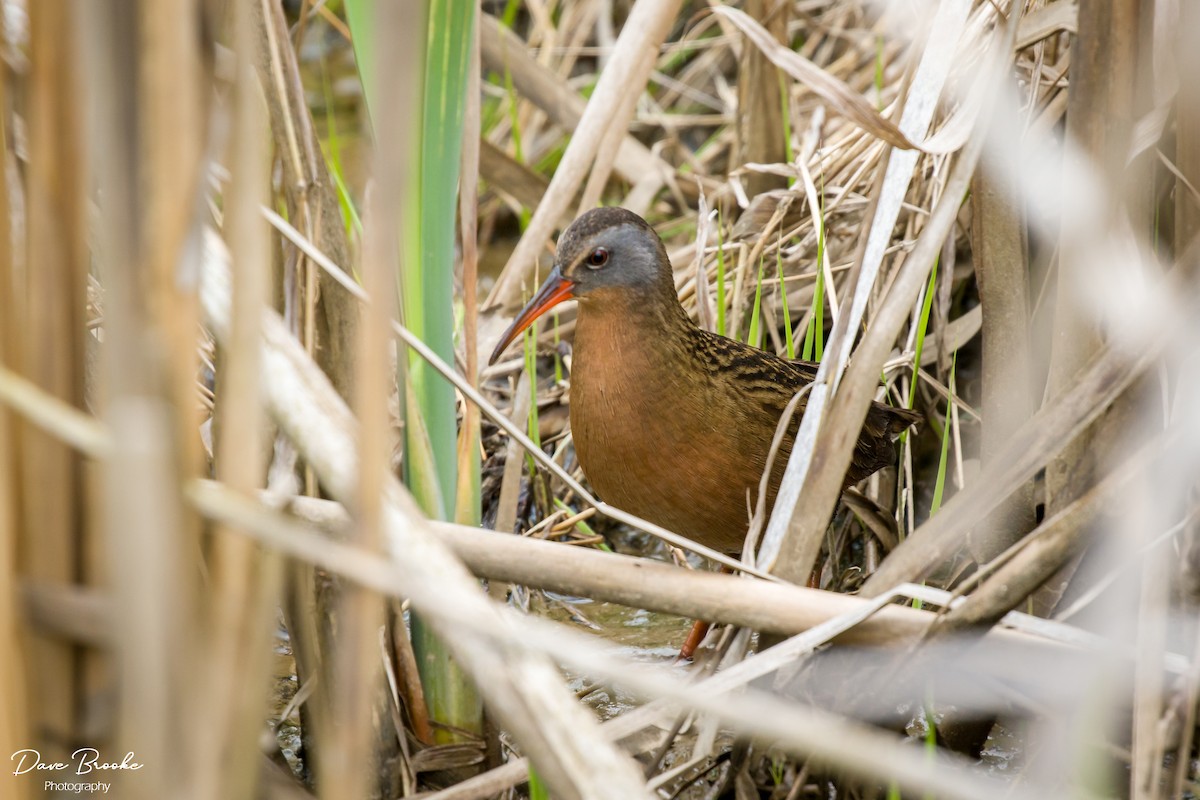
[209, 395]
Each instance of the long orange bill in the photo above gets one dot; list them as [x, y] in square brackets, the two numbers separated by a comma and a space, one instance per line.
[555, 290]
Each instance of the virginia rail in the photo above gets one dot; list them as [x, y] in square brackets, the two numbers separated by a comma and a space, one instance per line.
[671, 422]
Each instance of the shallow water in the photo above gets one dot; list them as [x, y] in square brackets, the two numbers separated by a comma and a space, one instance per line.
[638, 634]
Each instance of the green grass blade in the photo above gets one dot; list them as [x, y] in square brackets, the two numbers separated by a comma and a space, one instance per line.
[531, 367]
[819, 296]
[819, 320]
[787, 317]
[753, 335]
[720, 275]
[940, 484]
[510, 13]
[537, 789]
[922, 327]
[450, 38]
[814, 337]
[815, 334]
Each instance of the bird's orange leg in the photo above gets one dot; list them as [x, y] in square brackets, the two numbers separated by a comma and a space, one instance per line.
[696, 634]
[695, 637]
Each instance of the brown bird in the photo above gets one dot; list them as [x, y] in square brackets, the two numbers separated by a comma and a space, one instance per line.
[671, 422]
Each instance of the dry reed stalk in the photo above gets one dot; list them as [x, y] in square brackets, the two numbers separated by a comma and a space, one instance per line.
[14, 706]
[467, 505]
[344, 761]
[77, 614]
[158, 573]
[761, 100]
[312, 202]
[511, 178]
[173, 78]
[47, 338]
[1187, 129]
[510, 483]
[998, 250]
[1100, 113]
[1187, 227]
[319, 314]
[141, 474]
[14, 710]
[245, 582]
[1150, 738]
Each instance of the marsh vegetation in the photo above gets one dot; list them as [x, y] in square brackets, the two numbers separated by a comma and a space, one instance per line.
[269, 522]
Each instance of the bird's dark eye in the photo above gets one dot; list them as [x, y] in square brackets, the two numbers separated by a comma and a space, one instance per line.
[597, 258]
